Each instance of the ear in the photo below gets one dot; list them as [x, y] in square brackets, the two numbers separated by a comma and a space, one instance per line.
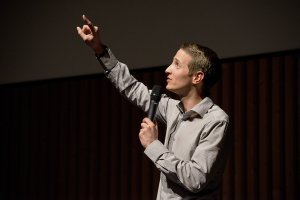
[198, 77]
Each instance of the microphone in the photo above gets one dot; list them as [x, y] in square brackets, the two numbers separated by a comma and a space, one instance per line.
[154, 100]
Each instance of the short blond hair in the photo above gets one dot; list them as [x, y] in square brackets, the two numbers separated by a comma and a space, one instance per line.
[206, 60]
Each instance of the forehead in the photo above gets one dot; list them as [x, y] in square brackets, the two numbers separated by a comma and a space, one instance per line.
[182, 57]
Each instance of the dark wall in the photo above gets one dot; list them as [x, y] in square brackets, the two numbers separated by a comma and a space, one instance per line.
[77, 138]
[39, 40]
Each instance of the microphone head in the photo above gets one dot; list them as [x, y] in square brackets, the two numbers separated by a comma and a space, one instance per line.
[156, 93]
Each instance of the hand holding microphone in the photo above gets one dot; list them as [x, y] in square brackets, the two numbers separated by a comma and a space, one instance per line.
[148, 132]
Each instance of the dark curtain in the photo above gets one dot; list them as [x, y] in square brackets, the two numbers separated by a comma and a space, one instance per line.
[77, 138]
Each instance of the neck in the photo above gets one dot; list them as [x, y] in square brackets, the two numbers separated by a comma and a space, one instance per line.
[190, 100]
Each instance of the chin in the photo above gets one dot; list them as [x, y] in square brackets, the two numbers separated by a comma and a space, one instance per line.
[171, 89]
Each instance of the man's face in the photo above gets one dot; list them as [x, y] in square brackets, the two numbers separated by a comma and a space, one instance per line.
[178, 79]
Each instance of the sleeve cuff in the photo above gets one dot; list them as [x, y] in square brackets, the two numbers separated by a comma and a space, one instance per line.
[107, 60]
[155, 150]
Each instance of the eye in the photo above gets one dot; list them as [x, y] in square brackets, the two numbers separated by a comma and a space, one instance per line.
[176, 63]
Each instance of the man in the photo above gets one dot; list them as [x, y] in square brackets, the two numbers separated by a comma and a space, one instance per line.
[192, 159]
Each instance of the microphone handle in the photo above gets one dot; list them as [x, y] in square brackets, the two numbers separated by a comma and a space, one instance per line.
[152, 110]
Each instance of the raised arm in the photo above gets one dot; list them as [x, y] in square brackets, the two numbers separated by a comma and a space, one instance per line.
[117, 72]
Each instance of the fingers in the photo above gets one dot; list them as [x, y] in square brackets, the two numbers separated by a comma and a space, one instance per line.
[85, 32]
[86, 20]
[79, 30]
[89, 23]
[148, 132]
[81, 33]
[147, 123]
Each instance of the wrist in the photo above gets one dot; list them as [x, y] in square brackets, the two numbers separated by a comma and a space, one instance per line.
[100, 50]
[148, 143]
[99, 54]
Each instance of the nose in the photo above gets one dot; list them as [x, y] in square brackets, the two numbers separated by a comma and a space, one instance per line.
[168, 70]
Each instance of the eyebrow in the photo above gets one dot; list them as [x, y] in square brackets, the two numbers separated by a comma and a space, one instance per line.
[176, 59]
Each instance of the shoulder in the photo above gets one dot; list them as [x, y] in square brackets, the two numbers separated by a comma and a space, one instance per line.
[217, 114]
[169, 105]
[168, 100]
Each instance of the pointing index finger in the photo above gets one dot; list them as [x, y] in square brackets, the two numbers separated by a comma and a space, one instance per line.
[89, 23]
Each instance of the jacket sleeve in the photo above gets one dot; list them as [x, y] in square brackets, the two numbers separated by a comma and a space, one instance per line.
[133, 90]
